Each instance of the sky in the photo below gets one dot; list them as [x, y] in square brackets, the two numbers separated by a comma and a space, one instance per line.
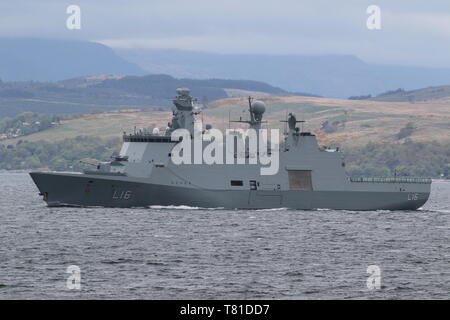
[414, 32]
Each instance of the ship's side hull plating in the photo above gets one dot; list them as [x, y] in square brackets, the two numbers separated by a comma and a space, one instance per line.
[60, 189]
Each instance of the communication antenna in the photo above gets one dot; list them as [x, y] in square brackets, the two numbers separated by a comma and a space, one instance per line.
[285, 124]
[252, 117]
[302, 123]
[202, 118]
[256, 111]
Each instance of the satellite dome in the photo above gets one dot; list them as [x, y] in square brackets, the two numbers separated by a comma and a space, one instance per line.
[258, 107]
[155, 131]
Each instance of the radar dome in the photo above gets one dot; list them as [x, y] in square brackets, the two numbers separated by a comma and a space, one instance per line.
[183, 91]
[155, 131]
[258, 107]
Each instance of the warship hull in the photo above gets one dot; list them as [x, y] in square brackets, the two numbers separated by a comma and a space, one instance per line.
[71, 189]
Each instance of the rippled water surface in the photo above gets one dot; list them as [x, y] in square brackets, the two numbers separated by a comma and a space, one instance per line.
[175, 253]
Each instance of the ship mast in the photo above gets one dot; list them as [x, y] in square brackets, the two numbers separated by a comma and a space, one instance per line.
[256, 110]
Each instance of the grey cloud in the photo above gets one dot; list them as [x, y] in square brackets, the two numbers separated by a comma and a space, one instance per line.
[411, 30]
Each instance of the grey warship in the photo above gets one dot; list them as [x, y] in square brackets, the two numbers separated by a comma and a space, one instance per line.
[309, 176]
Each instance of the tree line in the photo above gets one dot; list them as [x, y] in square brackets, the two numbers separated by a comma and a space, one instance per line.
[410, 158]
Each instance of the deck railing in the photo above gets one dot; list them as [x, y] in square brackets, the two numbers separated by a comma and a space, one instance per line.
[390, 180]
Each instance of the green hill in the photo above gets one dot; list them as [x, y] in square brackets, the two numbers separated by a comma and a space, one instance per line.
[100, 93]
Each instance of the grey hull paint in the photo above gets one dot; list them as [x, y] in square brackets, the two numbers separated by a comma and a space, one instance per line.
[61, 189]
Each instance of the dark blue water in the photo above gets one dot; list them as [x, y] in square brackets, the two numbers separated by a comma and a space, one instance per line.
[175, 253]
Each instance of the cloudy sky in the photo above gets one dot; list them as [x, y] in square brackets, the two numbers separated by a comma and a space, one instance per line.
[413, 32]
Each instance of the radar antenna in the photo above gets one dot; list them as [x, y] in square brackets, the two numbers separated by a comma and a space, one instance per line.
[292, 121]
[256, 110]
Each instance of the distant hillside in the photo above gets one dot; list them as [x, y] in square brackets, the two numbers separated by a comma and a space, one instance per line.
[50, 60]
[338, 76]
[346, 123]
[420, 95]
[100, 93]
[164, 86]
